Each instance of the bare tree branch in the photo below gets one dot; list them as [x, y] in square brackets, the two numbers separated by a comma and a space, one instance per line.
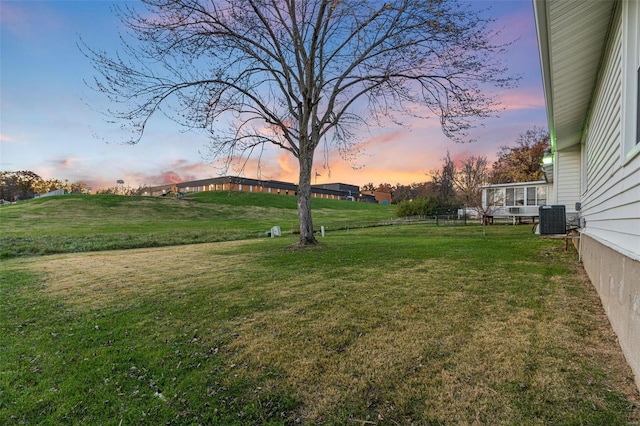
[297, 73]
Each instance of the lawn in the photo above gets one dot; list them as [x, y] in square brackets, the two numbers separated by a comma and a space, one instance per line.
[81, 223]
[397, 325]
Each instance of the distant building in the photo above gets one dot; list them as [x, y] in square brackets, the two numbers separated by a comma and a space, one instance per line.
[331, 191]
[351, 192]
[514, 200]
[51, 193]
[379, 196]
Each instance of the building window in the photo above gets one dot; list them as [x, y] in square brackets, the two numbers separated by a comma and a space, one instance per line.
[542, 195]
[638, 108]
[519, 196]
[630, 80]
[531, 196]
[495, 197]
[511, 197]
[516, 197]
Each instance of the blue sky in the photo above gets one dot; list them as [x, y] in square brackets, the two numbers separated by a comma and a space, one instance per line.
[50, 124]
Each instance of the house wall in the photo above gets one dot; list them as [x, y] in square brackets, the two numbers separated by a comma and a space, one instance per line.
[610, 242]
[611, 196]
[615, 277]
[566, 188]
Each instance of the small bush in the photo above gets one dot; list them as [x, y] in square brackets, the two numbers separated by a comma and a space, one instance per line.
[418, 207]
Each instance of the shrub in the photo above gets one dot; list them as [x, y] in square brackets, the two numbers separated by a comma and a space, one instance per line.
[418, 207]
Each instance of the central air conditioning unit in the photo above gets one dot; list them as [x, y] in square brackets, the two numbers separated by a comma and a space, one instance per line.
[552, 220]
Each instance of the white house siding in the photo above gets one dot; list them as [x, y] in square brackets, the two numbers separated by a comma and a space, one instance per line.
[567, 178]
[603, 135]
[610, 246]
[611, 198]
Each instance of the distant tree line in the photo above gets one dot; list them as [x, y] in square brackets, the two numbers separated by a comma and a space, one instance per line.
[456, 185]
[23, 185]
[124, 190]
[452, 185]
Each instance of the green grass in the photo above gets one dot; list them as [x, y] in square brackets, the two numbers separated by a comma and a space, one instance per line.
[391, 325]
[71, 223]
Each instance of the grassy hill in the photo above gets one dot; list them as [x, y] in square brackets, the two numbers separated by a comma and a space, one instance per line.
[79, 223]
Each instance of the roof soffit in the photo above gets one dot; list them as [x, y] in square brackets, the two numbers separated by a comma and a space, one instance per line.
[575, 33]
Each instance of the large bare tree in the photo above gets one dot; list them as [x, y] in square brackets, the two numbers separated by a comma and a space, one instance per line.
[469, 177]
[300, 73]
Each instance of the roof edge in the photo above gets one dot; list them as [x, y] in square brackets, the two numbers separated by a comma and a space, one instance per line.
[542, 30]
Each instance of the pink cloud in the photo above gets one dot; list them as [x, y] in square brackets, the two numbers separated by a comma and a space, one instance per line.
[27, 22]
[172, 177]
[13, 15]
[283, 167]
[384, 139]
[511, 27]
[186, 166]
[106, 173]
[522, 99]
[175, 171]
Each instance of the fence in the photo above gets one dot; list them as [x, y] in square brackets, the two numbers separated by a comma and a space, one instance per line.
[436, 220]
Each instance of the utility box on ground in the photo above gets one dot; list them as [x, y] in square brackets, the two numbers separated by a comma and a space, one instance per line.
[552, 220]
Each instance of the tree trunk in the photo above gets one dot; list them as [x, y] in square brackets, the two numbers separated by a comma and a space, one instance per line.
[304, 200]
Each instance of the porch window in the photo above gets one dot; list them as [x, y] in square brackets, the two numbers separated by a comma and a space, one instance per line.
[511, 196]
[515, 197]
[631, 80]
[495, 197]
[638, 109]
[519, 196]
[531, 196]
[542, 195]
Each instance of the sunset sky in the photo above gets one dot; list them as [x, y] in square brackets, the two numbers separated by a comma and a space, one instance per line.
[50, 121]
